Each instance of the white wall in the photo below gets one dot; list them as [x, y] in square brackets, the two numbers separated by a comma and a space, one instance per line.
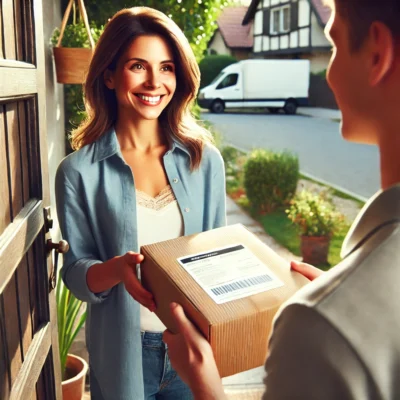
[304, 13]
[318, 37]
[304, 37]
[274, 2]
[218, 44]
[257, 44]
[258, 23]
[54, 103]
[294, 39]
[274, 43]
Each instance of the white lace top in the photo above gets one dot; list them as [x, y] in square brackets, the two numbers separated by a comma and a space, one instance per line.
[159, 219]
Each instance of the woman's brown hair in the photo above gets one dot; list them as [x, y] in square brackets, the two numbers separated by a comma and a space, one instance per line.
[101, 103]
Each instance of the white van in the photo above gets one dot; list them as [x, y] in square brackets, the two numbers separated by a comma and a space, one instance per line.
[274, 84]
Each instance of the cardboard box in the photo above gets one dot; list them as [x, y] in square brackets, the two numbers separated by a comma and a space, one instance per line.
[237, 330]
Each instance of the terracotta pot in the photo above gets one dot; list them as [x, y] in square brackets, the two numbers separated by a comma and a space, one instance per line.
[72, 64]
[314, 249]
[74, 386]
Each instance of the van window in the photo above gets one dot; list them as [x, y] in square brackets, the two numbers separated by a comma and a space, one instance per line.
[217, 77]
[229, 80]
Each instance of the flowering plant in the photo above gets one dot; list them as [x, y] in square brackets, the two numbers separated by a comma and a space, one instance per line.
[314, 214]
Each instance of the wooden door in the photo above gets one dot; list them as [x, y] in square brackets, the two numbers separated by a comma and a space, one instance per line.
[29, 359]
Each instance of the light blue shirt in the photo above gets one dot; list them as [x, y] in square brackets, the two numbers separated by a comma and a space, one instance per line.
[96, 208]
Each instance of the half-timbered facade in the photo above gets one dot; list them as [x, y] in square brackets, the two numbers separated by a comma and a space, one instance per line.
[290, 29]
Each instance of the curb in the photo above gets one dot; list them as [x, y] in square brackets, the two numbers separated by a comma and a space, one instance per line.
[336, 187]
[318, 180]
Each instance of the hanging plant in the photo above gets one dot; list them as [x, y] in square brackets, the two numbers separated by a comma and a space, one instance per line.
[75, 45]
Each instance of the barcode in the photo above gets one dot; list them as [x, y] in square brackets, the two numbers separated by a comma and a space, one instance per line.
[245, 283]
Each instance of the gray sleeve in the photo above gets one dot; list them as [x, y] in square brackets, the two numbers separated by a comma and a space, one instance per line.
[309, 359]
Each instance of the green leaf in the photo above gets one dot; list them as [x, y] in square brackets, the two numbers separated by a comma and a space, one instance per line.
[68, 308]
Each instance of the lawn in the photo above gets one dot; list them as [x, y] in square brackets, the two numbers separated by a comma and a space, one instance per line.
[277, 225]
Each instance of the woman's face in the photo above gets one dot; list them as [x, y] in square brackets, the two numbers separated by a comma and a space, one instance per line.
[144, 79]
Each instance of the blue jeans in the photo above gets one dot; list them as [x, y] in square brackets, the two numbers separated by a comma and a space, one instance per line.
[161, 382]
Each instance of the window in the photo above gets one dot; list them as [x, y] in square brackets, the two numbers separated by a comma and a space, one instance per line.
[280, 20]
[217, 78]
[229, 80]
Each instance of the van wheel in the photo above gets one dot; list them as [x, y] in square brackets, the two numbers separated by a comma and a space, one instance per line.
[218, 106]
[290, 107]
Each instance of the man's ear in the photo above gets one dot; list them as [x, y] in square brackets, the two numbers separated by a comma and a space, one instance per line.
[109, 79]
[382, 48]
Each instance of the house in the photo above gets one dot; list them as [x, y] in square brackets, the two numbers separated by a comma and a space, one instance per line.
[290, 29]
[231, 37]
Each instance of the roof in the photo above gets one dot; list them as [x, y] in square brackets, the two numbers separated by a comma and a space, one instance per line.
[322, 11]
[233, 32]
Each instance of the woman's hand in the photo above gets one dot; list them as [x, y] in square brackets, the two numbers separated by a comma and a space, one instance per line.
[306, 270]
[127, 271]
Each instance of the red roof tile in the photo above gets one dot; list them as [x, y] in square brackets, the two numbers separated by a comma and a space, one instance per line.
[232, 30]
[323, 11]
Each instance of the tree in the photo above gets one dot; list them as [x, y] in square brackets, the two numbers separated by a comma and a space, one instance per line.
[197, 18]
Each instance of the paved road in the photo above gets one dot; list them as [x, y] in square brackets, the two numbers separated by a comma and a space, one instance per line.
[322, 151]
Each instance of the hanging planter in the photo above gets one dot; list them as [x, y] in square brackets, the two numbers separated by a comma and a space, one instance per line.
[72, 63]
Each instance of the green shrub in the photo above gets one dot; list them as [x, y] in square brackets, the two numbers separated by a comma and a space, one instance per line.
[218, 138]
[210, 66]
[196, 110]
[270, 179]
[234, 160]
[314, 214]
[321, 73]
[230, 154]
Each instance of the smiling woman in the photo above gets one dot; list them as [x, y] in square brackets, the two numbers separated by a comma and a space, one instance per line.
[114, 52]
[143, 79]
[143, 172]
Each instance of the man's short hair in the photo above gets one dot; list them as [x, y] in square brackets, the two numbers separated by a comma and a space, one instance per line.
[360, 14]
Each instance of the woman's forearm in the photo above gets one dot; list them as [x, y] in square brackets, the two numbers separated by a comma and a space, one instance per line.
[104, 276]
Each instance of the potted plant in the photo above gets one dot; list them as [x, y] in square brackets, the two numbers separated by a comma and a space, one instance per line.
[74, 45]
[317, 219]
[74, 39]
[71, 318]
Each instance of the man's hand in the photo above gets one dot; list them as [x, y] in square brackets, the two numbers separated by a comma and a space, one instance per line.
[306, 270]
[192, 358]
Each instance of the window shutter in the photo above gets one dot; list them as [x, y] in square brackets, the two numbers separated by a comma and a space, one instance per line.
[294, 15]
[266, 21]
